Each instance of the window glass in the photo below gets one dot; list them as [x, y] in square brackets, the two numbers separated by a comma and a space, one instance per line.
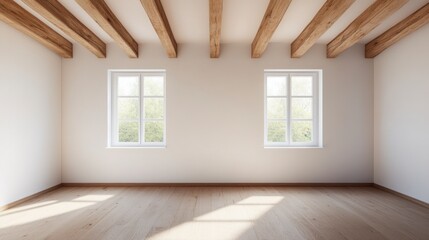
[154, 86]
[128, 86]
[276, 86]
[292, 108]
[302, 108]
[302, 85]
[276, 108]
[137, 120]
[276, 131]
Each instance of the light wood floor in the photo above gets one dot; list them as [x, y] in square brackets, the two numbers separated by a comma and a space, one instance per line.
[188, 213]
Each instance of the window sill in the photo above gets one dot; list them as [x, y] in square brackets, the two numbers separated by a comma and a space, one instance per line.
[294, 147]
[137, 147]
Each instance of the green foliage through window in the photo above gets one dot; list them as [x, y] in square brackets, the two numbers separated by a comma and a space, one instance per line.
[154, 131]
[290, 114]
[129, 132]
[276, 131]
[153, 108]
[301, 131]
[140, 109]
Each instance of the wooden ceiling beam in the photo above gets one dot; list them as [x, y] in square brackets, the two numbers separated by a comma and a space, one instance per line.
[216, 7]
[404, 28]
[362, 25]
[322, 21]
[272, 18]
[159, 21]
[57, 14]
[107, 20]
[22, 20]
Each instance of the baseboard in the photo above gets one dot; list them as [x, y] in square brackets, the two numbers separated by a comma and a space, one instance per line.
[217, 184]
[15, 203]
[424, 204]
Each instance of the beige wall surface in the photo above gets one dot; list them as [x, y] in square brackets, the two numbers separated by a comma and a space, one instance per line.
[30, 116]
[215, 116]
[401, 120]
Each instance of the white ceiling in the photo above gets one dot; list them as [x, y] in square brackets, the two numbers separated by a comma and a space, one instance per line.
[189, 19]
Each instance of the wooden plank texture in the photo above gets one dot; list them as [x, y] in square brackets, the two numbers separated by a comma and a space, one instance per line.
[216, 7]
[404, 28]
[159, 21]
[58, 15]
[272, 18]
[362, 25]
[249, 213]
[324, 19]
[107, 20]
[22, 20]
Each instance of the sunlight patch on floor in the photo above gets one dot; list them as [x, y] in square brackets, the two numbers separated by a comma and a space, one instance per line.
[228, 223]
[236, 213]
[44, 210]
[93, 198]
[261, 200]
[41, 213]
[26, 207]
[204, 230]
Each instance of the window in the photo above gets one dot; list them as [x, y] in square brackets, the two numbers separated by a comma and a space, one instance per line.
[137, 108]
[293, 108]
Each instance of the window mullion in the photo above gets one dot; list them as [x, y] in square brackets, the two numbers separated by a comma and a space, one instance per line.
[302, 119]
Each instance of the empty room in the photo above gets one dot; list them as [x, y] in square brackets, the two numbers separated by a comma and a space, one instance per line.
[214, 119]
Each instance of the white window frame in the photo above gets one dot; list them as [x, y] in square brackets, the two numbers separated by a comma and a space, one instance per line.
[317, 107]
[113, 137]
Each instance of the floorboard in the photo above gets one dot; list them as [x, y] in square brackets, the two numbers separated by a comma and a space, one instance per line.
[216, 213]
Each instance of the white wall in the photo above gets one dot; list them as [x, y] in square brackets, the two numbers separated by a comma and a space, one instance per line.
[30, 116]
[215, 119]
[401, 120]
